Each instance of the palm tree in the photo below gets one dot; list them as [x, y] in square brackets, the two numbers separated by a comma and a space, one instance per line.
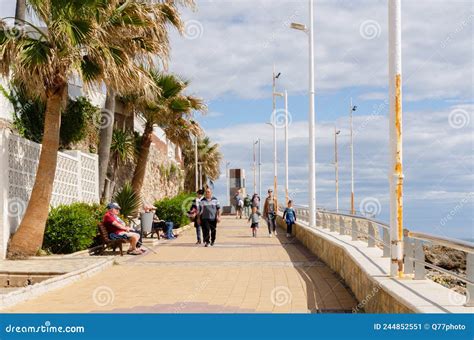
[122, 149]
[170, 16]
[97, 40]
[209, 155]
[170, 110]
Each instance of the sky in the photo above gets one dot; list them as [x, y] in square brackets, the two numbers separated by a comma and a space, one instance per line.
[229, 47]
[228, 50]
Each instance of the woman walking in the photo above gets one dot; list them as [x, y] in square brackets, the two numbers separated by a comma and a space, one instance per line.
[269, 212]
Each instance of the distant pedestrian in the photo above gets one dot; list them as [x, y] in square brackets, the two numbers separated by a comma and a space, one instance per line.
[247, 204]
[254, 218]
[289, 215]
[208, 217]
[239, 204]
[193, 214]
[270, 209]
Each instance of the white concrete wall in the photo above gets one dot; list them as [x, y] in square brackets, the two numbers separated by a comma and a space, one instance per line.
[76, 180]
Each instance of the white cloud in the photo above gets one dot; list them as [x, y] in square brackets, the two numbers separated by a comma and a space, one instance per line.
[241, 40]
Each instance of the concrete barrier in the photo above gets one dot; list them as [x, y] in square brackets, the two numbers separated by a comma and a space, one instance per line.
[366, 272]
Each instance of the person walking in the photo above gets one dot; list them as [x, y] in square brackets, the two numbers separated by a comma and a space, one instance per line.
[208, 217]
[254, 217]
[270, 209]
[193, 212]
[256, 201]
[239, 204]
[247, 204]
[289, 215]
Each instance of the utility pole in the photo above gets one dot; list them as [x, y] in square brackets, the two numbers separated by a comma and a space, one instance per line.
[336, 167]
[286, 148]
[196, 163]
[260, 168]
[275, 178]
[351, 110]
[395, 128]
[228, 181]
[254, 168]
[311, 117]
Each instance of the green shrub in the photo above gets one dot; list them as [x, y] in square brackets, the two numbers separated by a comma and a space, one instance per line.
[72, 228]
[174, 209]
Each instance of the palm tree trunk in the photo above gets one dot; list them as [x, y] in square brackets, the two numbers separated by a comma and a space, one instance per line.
[105, 139]
[20, 10]
[139, 174]
[29, 237]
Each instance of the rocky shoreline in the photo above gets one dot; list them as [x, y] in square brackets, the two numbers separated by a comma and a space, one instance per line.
[449, 259]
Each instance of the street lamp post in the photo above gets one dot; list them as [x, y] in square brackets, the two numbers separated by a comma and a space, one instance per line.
[275, 174]
[352, 109]
[196, 163]
[254, 168]
[200, 174]
[286, 148]
[336, 167]
[395, 132]
[228, 181]
[311, 118]
[259, 168]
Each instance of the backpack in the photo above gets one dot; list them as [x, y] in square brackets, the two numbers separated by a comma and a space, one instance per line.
[247, 202]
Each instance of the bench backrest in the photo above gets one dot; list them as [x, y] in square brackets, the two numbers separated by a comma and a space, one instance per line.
[103, 233]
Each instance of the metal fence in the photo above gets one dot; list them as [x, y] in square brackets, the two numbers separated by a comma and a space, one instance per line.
[377, 233]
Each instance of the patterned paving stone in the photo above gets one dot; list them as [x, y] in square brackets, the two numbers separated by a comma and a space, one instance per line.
[240, 274]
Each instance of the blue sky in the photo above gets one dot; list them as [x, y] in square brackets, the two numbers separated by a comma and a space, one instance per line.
[228, 50]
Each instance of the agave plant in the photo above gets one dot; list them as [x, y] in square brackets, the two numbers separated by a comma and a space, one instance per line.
[128, 200]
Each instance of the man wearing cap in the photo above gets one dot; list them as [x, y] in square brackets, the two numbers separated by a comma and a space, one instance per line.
[270, 209]
[208, 217]
[117, 228]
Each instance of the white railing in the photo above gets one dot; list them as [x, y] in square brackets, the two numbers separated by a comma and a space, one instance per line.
[377, 233]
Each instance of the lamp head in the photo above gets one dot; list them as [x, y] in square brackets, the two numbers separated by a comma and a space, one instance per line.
[298, 26]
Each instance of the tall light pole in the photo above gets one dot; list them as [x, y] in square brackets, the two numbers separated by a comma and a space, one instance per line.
[260, 168]
[196, 163]
[336, 167]
[274, 78]
[228, 181]
[352, 109]
[200, 174]
[395, 128]
[254, 168]
[311, 118]
[286, 148]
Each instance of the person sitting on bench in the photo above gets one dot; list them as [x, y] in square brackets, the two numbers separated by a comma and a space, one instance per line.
[117, 228]
[166, 226]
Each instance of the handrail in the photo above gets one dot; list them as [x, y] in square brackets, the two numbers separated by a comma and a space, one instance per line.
[414, 255]
[461, 245]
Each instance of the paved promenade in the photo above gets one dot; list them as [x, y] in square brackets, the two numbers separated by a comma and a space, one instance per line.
[238, 274]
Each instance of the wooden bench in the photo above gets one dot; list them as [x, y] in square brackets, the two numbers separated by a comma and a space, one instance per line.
[107, 242]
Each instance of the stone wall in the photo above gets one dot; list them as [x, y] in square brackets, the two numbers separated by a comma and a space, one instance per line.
[164, 176]
[371, 296]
